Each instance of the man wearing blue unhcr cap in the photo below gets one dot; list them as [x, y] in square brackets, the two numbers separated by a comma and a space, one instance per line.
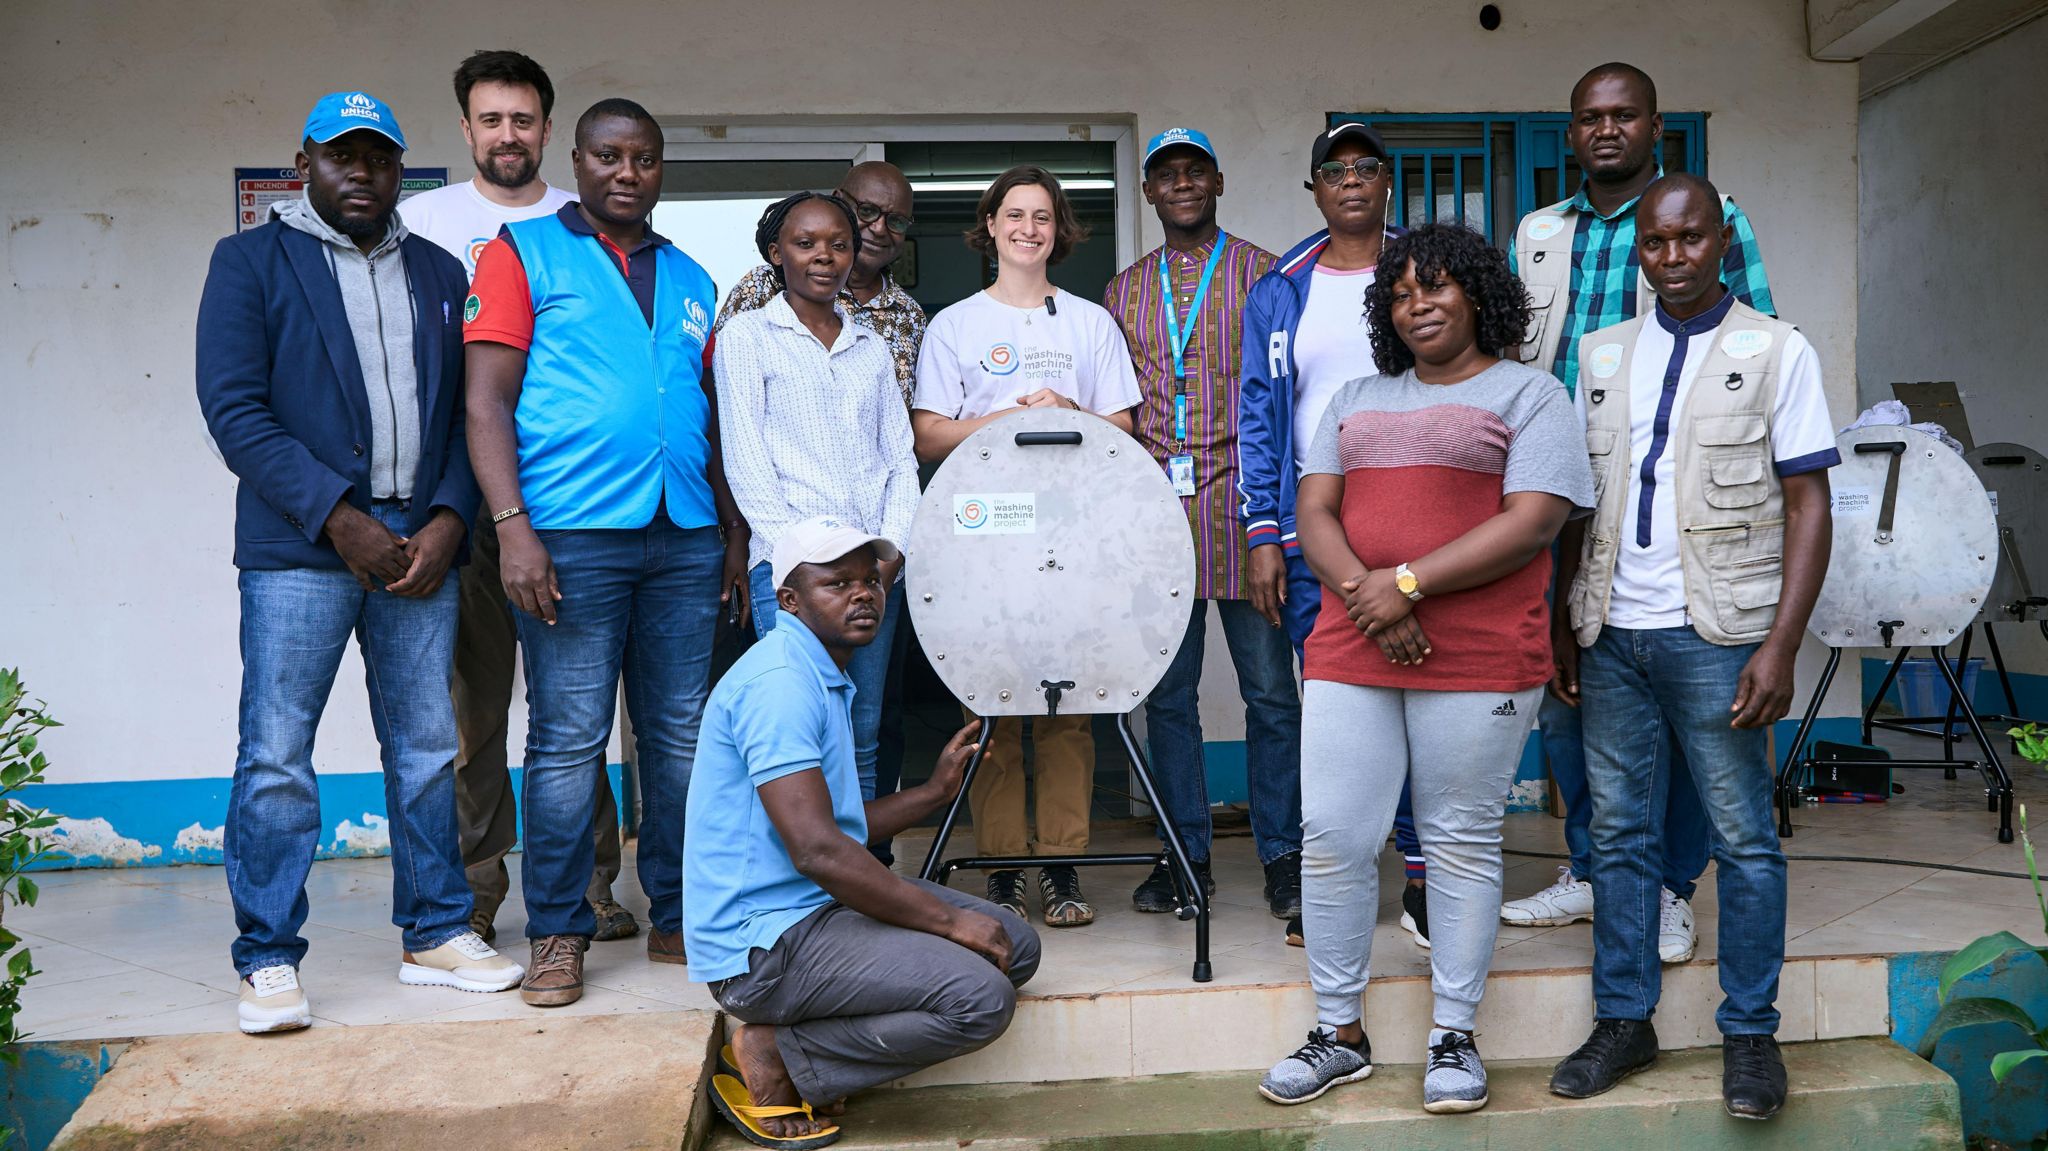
[330, 374]
[1181, 309]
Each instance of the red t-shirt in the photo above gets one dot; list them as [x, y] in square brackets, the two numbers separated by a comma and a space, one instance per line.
[1423, 464]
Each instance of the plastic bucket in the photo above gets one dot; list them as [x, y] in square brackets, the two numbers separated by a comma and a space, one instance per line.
[1924, 694]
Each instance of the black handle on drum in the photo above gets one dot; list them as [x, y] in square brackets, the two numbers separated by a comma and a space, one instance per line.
[1042, 439]
[2003, 461]
[1890, 447]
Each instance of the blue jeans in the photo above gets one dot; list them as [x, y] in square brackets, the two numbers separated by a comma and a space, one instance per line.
[642, 601]
[1304, 601]
[868, 669]
[1635, 687]
[1685, 821]
[1272, 736]
[295, 625]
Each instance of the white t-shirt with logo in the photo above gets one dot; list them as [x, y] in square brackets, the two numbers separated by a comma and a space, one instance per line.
[461, 221]
[980, 355]
[1332, 347]
[1649, 581]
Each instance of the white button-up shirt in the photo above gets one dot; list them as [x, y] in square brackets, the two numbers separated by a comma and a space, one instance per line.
[808, 430]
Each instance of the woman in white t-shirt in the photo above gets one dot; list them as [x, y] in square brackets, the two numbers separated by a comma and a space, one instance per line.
[1023, 343]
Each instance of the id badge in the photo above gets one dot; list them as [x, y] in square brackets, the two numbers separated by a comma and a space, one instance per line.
[1181, 471]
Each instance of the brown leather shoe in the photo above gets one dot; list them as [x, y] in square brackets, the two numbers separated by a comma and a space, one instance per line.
[555, 976]
[665, 946]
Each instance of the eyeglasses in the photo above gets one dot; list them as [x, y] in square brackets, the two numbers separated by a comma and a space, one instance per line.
[1332, 172]
[869, 213]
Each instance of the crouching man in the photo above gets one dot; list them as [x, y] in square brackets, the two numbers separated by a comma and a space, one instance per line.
[843, 974]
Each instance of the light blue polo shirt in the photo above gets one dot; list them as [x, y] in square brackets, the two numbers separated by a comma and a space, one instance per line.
[784, 707]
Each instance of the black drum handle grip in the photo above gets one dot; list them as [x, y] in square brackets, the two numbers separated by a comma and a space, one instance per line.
[1042, 439]
[1887, 447]
[2003, 461]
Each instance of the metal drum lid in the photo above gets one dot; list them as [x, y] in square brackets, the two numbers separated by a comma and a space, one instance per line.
[1930, 572]
[2017, 479]
[1067, 560]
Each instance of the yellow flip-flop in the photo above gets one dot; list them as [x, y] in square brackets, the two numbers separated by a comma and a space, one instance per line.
[731, 1098]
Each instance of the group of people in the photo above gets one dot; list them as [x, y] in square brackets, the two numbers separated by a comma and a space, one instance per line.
[1435, 477]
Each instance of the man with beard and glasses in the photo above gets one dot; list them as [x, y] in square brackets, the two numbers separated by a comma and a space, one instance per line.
[330, 374]
[596, 444]
[507, 107]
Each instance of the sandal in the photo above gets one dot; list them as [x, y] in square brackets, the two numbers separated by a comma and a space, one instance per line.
[733, 1101]
[1059, 893]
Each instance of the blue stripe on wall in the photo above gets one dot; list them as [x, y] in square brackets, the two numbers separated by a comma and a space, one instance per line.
[158, 822]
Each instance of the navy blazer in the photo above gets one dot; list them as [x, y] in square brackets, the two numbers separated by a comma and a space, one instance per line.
[283, 394]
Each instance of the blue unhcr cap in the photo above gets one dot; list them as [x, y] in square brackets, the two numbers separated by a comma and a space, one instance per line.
[339, 113]
[1177, 137]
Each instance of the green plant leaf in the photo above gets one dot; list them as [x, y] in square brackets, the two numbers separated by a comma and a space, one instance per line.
[20, 966]
[1973, 1011]
[2003, 1063]
[14, 775]
[1982, 952]
[26, 889]
[8, 939]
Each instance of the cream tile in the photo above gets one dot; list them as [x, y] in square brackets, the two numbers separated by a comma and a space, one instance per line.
[60, 963]
[109, 1005]
[1072, 966]
[1173, 1032]
[1535, 1014]
[1942, 922]
[1067, 1037]
[1798, 1012]
[1835, 940]
[2015, 893]
[1242, 971]
[508, 1005]
[1809, 905]
[1851, 997]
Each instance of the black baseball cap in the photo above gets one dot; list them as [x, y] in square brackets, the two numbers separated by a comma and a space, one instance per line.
[1320, 150]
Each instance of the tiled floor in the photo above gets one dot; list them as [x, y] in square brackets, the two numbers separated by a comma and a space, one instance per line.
[144, 951]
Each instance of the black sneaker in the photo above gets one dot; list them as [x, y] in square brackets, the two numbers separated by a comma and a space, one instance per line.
[1752, 1076]
[1060, 898]
[1297, 936]
[1617, 1049]
[1006, 890]
[1161, 893]
[1283, 886]
[1415, 913]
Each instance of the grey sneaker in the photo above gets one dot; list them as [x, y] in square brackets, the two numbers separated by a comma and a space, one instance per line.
[1322, 1063]
[1456, 1079]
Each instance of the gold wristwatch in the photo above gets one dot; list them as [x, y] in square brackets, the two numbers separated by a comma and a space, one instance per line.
[1406, 583]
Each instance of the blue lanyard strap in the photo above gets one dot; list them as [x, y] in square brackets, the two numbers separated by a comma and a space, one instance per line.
[1176, 339]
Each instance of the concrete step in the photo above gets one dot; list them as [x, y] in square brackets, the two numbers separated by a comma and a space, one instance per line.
[1856, 1093]
[554, 1081]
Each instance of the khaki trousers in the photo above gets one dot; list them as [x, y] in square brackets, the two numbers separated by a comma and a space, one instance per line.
[486, 814]
[1063, 763]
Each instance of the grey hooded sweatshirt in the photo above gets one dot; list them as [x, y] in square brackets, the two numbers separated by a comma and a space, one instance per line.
[377, 294]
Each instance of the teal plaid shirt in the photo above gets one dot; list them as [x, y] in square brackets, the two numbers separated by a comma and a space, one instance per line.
[1605, 271]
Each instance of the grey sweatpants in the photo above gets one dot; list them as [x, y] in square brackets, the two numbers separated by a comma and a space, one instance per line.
[1458, 751]
[855, 1003]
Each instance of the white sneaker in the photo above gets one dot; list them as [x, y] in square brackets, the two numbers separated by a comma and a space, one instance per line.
[273, 1001]
[465, 963]
[1568, 900]
[1676, 937]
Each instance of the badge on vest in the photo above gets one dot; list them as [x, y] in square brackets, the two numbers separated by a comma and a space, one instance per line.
[1544, 227]
[1605, 361]
[1747, 344]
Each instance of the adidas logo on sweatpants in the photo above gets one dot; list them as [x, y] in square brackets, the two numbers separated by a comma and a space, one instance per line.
[1506, 708]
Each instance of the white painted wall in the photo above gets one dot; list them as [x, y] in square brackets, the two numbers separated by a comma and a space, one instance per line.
[1953, 243]
[124, 121]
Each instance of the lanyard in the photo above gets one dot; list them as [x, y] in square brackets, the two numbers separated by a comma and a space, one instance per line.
[1176, 338]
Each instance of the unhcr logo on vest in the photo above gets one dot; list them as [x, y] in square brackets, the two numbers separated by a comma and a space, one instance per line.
[695, 321]
[360, 104]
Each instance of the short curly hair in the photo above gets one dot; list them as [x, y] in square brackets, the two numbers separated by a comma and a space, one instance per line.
[1463, 255]
[769, 229]
[1068, 232]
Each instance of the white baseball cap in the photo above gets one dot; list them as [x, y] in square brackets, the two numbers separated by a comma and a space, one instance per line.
[820, 540]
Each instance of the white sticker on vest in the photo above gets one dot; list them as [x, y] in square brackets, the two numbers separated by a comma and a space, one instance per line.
[1747, 344]
[995, 514]
[1544, 227]
[1853, 502]
[1605, 361]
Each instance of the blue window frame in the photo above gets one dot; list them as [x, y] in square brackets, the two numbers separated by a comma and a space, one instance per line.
[1488, 170]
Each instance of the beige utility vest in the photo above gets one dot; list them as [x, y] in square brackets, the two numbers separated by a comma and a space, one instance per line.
[1730, 504]
[1543, 260]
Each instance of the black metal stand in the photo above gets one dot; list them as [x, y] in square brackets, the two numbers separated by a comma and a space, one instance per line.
[1800, 765]
[1194, 901]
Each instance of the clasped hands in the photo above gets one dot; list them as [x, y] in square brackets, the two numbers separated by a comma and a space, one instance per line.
[1386, 616]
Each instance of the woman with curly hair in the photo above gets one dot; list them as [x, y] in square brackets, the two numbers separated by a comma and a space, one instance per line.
[1431, 497]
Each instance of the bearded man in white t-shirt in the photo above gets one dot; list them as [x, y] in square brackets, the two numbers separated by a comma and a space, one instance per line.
[507, 103]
